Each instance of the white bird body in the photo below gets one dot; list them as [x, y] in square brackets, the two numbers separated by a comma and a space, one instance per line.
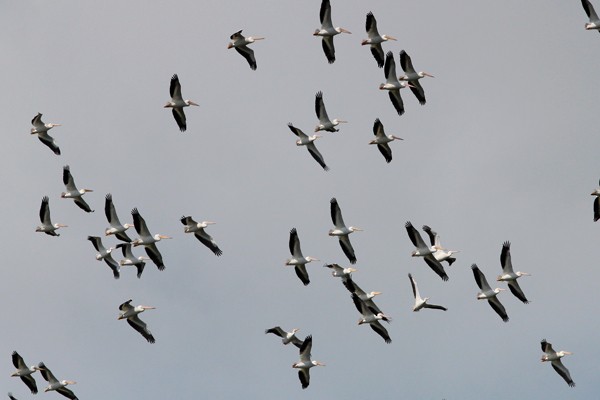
[342, 231]
[197, 228]
[130, 260]
[422, 250]
[147, 240]
[392, 84]
[286, 337]
[596, 204]
[375, 39]
[372, 317]
[116, 228]
[24, 372]
[55, 384]
[339, 272]
[305, 363]
[382, 140]
[421, 302]
[47, 226]
[412, 76]
[439, 252]
[130, 313]
[509, 275]
[72, 192]
[41, 130]
[554, 357]
[489, 294]
[177, 103]
[105, 254]
[325, 124]
[298, 260]
[240, 44]
[594, 23]
[328, 31]
[305, 140]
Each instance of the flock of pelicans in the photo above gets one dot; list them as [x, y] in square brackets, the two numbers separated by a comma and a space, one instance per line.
[433, 253]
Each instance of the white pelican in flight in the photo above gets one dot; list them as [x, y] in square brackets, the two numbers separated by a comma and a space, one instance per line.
[197, 228]
[339, 272]
[554, 358]
[392, 84]
[372, 317]
[596, 204]
[591, 13]
[305, 140]
[55, 384]
[286, 337]
[327, 31]
[147, 240]
[382, 140]
[305, 363]
[240, 44]
[509, 276]
[24, 372]
[325, 124]
[116, 228]
[341, 231]
[375, 39]
[41, 129]
[298, 260]
[129, 259]
[367, 298]
[72, 192]
[422, 250]
[47, 226]
[489, 294]
[177, 103]
[440, 253]
[413, 77]
[421, 302]
[130, 313]
[104, 254]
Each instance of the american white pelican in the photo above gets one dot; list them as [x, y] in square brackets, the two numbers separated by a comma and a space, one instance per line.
[367, 298]
[147, 240]
[192, 226]
[591, 13]
[298, 260]
[382, 140]
[55, 384]
[596, 204]
[305, 140]
[339, 272]
[440, 253]
[341, 231]
[286, 337]
[325, 124]
[130, 313]
[104, 254]
[327, 31]
[372, 317]
[375, 39]
[421, 302]
[392, 84]
[72, 192]
[130, 259]
[24, 372]
[422, 250]
[177, 103]
[305, 363]
[554, 358]
[116, 228]
[240, 44]
[509, 276]
[47, 226]
[413, 77]
[489, 294]
[41, 129]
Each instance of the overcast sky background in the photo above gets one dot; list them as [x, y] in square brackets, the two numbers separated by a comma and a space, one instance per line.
[505, 149]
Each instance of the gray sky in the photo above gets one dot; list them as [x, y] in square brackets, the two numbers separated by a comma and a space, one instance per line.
[504, 149]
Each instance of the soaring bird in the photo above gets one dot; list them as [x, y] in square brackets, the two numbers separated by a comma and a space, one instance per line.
[392, 84]
[116, 228]
[489, 294]
[24, 372]
[341, 231]
[413, 77]
[372, 317]
[298, 260]
[325, 124]
[382, 140]
[55, 384]
[440, 253]
[421, 302]
[375, 39]
[305, 140]
[47, 226]
[240, 44]
[596, 204]
[177, 103]
[422, 250]
[510, 276]
[367, 298]
[130, 313]
[41, 129]
[105, 254]
[305, 363]
[72, 192]
[554, 358]
[129, 259]
[197, 229]
[327, 31]
[591, 13]
[339, 272]
[286, 337]
[147, 240]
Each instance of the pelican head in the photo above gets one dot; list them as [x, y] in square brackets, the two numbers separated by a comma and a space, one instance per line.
[295, 330]
[596, 192]
[373, 294]
[169, 104]
[83, 191]
[349, 270]
[252, 39]
[204, 224]
[316, 32]
[361, 321]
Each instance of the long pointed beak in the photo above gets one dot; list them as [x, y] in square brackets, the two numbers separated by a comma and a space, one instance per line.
[229, 45]
[344, 30]
[193, 104]
[148, 308]
[88, 190]
[165, 237]
[259, 38]
[428, 74]
[390, 37]
[397, 138]
[342, 122]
